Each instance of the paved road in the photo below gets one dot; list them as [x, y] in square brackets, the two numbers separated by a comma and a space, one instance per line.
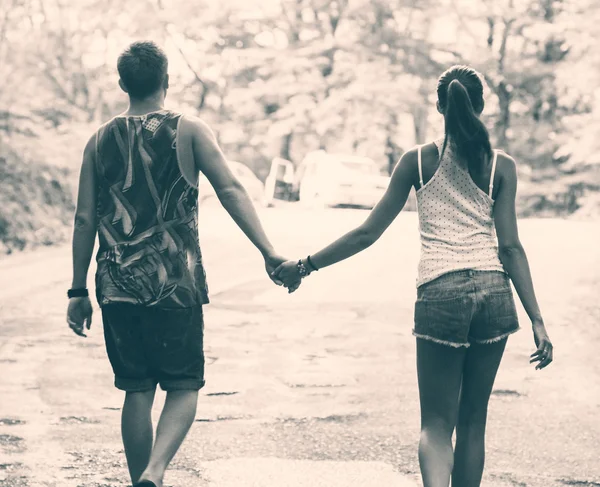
[317, 388]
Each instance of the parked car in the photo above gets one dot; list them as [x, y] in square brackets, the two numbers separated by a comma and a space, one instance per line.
[253, 185]
[279, 182]
[327, 180]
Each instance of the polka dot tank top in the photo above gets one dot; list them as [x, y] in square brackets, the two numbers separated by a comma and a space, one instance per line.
[455, 220]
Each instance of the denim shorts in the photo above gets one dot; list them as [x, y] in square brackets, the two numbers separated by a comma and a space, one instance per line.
[147, 346]
[465, 307]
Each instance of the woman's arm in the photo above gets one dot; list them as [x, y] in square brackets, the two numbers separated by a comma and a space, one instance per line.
[510, 249]
[513, 257]
[372, 228]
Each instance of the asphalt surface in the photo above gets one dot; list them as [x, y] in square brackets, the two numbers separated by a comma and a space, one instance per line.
[313, 389]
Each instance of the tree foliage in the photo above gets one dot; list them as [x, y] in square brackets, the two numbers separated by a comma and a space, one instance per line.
[283, 77]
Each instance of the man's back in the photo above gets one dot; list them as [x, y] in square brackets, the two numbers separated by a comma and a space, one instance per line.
[147, 216]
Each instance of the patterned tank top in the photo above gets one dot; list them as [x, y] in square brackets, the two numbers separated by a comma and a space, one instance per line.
[147, 211]
[455, 220]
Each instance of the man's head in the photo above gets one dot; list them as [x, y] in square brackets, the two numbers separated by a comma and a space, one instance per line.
[143, 70]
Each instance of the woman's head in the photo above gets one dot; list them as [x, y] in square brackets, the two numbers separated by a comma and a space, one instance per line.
[460, 100]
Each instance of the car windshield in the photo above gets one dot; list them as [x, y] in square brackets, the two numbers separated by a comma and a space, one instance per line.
[281, 171]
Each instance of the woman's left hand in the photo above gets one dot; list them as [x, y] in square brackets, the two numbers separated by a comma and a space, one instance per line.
[545, 351]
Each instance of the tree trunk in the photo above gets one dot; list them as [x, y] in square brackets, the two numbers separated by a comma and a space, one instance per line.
[419, 113]
[286, 142]
[392, 151]
[503, 123]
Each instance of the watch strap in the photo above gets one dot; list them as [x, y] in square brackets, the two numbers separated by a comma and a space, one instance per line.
[78, 293]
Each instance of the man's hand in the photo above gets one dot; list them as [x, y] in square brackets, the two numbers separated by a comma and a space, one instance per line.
[79, 315]
[272, 261]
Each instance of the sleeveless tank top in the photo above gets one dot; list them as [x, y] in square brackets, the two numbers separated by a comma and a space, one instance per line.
[147, 211]
[456, 220]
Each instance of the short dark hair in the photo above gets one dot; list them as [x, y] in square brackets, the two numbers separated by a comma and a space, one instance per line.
[143, 67]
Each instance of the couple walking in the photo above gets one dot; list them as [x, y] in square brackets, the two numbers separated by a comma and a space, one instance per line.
[138, 191]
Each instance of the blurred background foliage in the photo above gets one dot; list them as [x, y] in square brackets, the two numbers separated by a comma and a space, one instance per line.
[284, 77]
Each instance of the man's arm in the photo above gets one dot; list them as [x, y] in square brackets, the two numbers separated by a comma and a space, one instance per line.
[84, 232]
[210, 160]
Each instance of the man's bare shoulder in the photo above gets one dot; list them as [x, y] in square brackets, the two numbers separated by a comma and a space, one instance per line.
[197, 127]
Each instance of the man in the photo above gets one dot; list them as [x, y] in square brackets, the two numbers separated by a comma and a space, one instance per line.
[138, 191]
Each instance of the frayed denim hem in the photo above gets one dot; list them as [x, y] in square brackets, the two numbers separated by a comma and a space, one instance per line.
[441, 342]
[496, 339]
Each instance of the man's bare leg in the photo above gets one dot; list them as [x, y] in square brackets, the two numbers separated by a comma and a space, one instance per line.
[136, 430]
[175, 421]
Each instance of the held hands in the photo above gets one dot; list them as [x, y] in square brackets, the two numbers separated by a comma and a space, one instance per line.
[291, 273]
[288, 273]
[273, 264]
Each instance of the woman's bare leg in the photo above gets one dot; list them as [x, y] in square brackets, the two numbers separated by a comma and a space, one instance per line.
[481, 366]
[439, 369]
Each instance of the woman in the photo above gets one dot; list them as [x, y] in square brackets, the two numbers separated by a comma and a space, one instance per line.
[470, 251]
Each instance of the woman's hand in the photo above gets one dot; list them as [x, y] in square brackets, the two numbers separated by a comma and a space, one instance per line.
[287, 273]
[544, 352]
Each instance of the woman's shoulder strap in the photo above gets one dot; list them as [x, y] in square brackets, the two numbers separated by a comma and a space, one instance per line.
[420, 165]
[494, 161]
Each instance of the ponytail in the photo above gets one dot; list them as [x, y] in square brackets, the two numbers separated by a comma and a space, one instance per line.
[464, 128]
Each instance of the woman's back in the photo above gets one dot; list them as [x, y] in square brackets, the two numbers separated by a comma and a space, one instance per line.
[455, 215]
